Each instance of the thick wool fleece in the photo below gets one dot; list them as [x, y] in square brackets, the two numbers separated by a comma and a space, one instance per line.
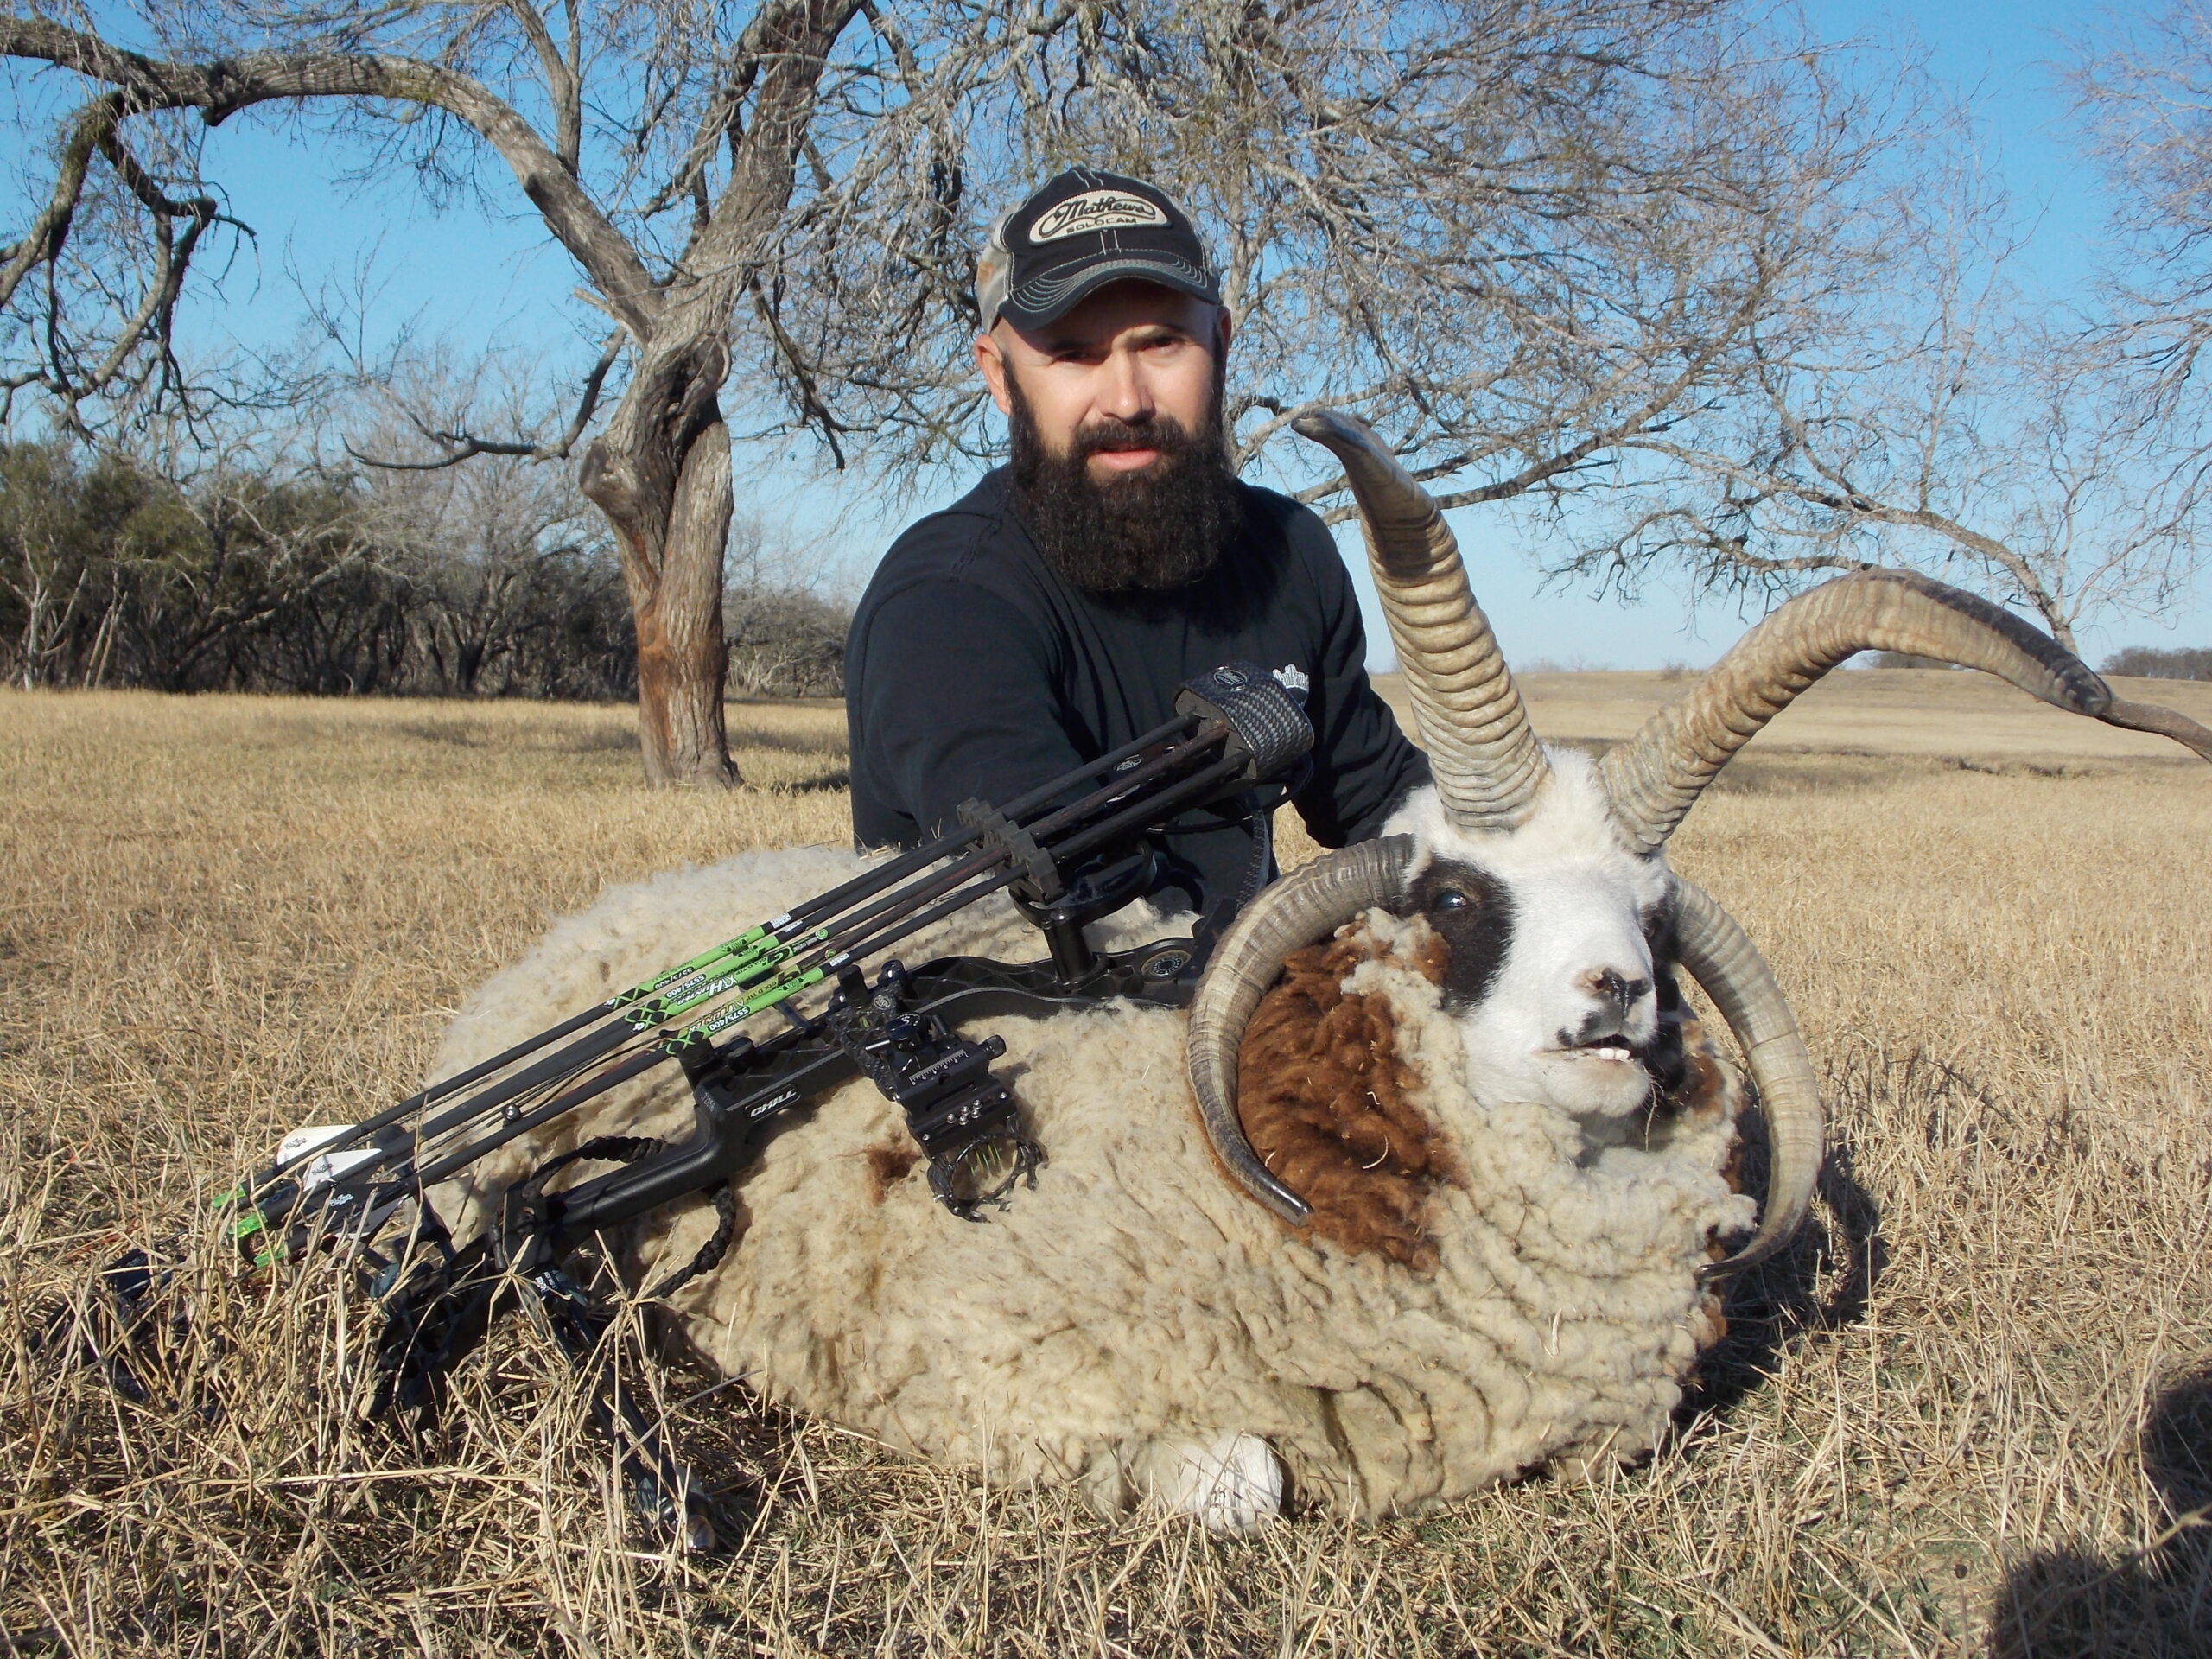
[1135, 1301]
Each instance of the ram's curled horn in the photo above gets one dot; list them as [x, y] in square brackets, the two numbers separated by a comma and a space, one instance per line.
[1310, 903]
[1721, 958]
[1654, 780]
[1484, 754]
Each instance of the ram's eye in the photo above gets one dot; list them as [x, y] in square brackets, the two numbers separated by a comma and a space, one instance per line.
[1449, 898]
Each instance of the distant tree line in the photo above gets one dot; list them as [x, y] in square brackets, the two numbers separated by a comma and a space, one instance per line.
[786, 640]
[2140, 661]
[496, 580]
[2144, 663]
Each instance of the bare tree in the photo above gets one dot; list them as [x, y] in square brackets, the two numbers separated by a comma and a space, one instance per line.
[786, 632]
[1948, 425]
[1515, 237]
[44, 569]
[484, 548]
[2144, 91]
[1522, 239]
[1924, 411]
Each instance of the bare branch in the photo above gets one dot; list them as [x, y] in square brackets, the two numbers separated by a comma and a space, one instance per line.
[563, 84]
[457, 445]
[43, 242]
[220, 89]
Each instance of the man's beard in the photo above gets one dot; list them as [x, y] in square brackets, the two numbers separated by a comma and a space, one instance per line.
[1145, 531]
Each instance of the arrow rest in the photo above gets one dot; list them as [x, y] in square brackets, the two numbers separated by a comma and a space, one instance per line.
[961, 1115]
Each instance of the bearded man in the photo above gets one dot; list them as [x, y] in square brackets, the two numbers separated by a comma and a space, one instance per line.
[1049, 615]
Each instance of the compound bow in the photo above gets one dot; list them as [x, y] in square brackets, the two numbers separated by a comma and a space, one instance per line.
[1070, 851]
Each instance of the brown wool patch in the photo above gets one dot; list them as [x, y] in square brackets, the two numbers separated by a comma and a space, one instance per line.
[1705, 1086]
[1432, 957]
[1731, 1176]
[1327, 1104]
[1708, 1088]
[1708, 1324]
[890, 1162]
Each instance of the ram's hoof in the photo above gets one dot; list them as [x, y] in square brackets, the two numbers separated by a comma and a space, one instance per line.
[1233, 1482]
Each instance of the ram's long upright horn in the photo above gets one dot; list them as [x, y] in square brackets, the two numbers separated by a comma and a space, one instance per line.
[1654, 780]
[1310, 903]
[1722, 958]
[1482, 752]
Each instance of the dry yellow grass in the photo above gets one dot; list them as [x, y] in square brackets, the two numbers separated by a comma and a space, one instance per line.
[1973, 1414]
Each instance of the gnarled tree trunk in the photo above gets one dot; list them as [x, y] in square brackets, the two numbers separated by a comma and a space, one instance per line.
[660, 472]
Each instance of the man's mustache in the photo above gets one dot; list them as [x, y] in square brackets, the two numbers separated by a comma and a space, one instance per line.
[1109, 437]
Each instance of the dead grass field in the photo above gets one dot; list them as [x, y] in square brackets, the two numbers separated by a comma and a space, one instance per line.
[1971, 1415]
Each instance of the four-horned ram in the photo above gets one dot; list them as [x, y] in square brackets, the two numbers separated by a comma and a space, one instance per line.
[1447, 1208]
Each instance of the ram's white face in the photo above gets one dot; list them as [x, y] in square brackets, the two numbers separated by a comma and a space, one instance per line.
[1554, 982]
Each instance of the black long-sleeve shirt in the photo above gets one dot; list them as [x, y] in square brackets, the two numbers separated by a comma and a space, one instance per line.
[973, 670]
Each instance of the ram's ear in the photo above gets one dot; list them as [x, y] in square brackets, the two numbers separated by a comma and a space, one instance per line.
[1329, 1107]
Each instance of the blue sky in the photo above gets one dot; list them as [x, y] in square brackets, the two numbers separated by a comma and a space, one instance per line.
[474, 277]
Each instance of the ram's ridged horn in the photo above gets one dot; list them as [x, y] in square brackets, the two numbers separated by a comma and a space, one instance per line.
[1654, 780]
[1485, 758]
[1310, 903]
[1721, 958]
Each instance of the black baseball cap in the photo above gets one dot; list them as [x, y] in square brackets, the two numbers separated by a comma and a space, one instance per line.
[1082, 231]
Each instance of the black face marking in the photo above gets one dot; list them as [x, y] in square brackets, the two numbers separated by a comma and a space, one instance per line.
[1472, 912]
[1664, 1058]
[1658, 919]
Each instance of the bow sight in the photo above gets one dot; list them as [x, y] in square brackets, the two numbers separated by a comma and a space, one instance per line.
[1069, 852]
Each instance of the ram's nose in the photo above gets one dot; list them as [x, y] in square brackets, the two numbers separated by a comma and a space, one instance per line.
[1615, 995]
[1615, 988]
